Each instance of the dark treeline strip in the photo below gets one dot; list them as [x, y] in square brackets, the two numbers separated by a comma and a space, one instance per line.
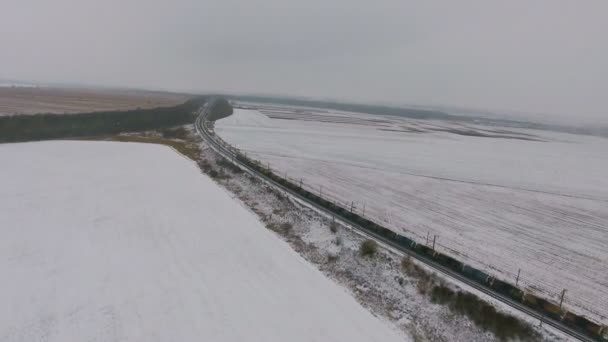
[413, 113]
[220, 108]
[17, 128]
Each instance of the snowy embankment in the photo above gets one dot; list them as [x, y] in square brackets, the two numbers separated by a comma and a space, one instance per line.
[520, 199]
[130, 242]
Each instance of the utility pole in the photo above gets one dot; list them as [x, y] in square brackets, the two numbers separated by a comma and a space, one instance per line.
[363, 210]
[434, 238]
[352, 204]
[427, 237]
[300, 183]
[517, 279]
[561, 301]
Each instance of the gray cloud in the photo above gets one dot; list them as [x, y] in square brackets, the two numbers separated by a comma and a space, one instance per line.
[543, 56]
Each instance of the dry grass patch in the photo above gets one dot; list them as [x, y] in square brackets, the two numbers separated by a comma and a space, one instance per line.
[368, 248]
[32, 100]
[483, 314]
[188, 149]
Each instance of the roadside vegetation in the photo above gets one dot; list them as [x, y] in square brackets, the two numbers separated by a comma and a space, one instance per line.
[175, 133]
[187, 149]
[182, 140]
[333, 227]
[483, 314]
[368, 248]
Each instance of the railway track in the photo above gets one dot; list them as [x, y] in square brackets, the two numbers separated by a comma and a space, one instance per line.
[202, 128]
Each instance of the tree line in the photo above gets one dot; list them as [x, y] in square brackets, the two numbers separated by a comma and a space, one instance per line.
[220, 108]
[15, 128]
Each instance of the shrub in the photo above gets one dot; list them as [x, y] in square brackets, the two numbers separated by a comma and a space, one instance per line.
[279, 195]
[368, 248]
[213, 173]
[485, 316]
[331, 258]
[175, 133]
[227, 164]
[333, 227]
[204, 165]
[481, 313]
[412, 269]
[441, 294]
[286, 227]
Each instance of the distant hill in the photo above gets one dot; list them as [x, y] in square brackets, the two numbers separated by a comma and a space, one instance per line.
[421, 114]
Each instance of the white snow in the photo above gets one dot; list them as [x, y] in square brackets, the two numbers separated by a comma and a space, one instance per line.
[388, 291]
[110, 241]
[499, 204]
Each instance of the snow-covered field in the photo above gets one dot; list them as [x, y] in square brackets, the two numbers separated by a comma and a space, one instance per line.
[499, 199]
[110, 241]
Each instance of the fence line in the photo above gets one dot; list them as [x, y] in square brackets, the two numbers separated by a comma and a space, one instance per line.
[325, 193]
[441, 244]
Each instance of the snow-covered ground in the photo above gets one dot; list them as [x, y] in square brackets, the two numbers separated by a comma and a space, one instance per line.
[512, 199]
[380, 284]
[110, 241]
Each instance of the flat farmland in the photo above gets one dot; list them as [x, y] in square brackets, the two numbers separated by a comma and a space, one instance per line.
[33, 100]
[499, 199]
[150, 249]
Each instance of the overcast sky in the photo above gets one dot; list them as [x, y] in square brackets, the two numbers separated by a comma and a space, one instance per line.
[541, 56]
